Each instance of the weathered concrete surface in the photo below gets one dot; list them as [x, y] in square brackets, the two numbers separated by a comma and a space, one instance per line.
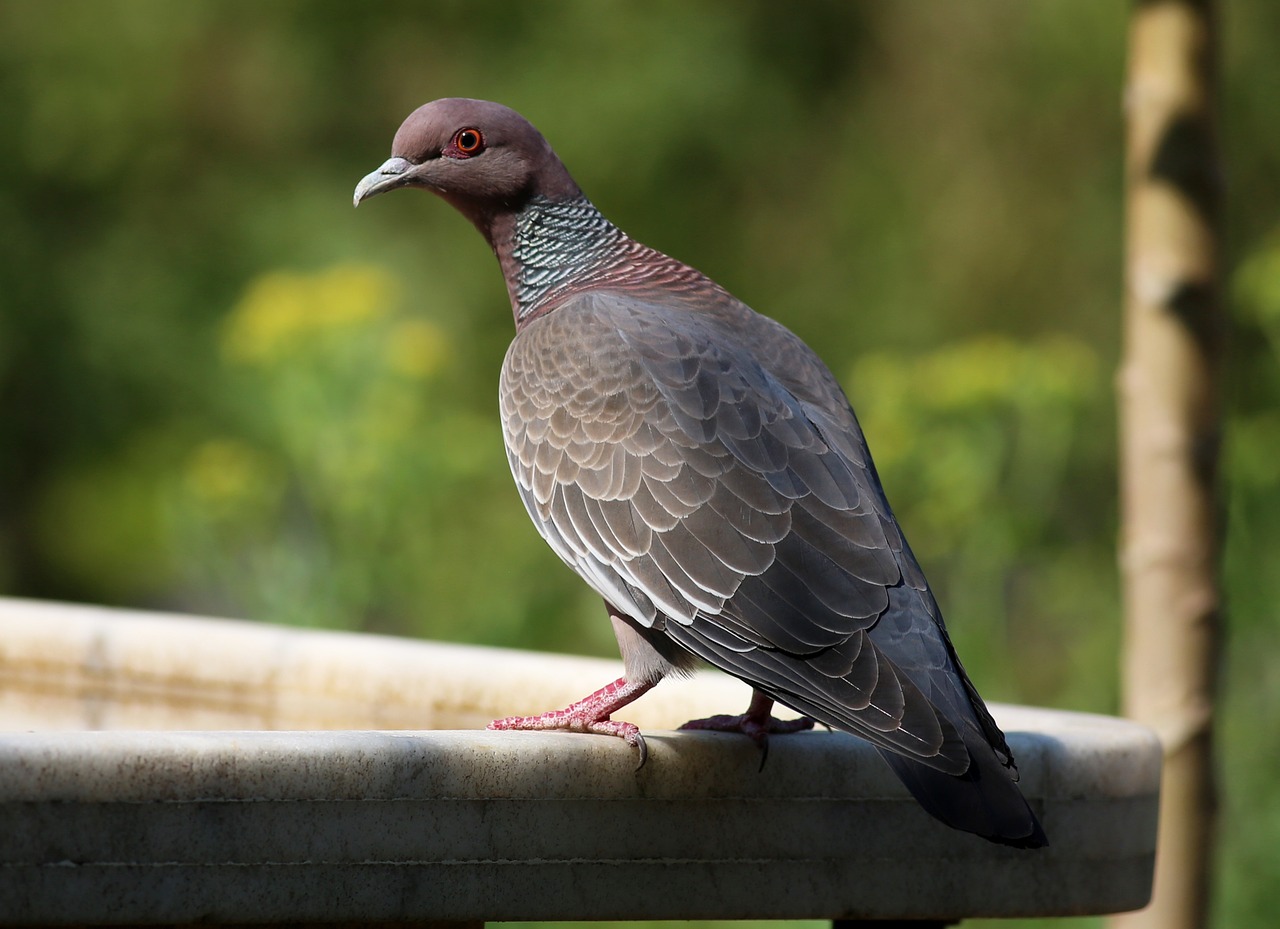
[82, 667]
[395, 826]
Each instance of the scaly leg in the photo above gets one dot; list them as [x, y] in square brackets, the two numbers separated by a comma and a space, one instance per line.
[757, 722]
[591, 714]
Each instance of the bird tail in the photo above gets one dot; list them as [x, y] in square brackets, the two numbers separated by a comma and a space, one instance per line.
[983, 800]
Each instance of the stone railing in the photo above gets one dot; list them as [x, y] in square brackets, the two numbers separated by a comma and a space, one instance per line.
[168, 770]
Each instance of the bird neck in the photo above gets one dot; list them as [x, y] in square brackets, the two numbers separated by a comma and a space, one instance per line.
[551, 248]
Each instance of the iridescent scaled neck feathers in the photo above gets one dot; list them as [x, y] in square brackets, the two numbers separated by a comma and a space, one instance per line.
[555, 244]
[555, 248]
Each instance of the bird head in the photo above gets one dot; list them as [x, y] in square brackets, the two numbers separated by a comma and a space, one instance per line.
[484, 158]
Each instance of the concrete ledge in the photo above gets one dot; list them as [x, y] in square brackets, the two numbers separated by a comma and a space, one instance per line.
[162, 827]
[67, 666]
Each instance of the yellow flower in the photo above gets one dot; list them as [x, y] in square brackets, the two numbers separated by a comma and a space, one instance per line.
[281, 308]
[416, 348]
[222, 471]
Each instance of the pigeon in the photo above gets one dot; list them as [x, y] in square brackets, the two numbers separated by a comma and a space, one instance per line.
[702, 470]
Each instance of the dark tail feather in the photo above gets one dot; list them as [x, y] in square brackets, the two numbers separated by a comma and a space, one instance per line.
[984, 800]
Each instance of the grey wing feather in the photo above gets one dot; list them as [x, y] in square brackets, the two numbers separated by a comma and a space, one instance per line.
[704, 473]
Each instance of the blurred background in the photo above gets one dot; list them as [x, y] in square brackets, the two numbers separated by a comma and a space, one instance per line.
[225, 392]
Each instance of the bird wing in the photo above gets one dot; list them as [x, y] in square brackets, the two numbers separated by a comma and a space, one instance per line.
[702, 471]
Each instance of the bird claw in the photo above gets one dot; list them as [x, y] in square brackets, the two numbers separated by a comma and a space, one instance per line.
[642, 749]
[577, 722]
[590, 714]
[753, 724]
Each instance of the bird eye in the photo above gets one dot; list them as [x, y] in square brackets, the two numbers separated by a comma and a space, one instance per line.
[468, 141]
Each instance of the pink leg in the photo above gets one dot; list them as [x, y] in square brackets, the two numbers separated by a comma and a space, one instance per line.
[757, 722]
[590, 714]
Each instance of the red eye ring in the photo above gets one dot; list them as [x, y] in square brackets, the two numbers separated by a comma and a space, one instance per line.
[468, 141]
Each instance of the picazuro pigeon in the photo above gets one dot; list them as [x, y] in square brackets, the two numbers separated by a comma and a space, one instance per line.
[702, 470]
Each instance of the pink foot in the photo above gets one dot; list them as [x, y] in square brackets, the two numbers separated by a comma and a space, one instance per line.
[757, 722]
[590, 714]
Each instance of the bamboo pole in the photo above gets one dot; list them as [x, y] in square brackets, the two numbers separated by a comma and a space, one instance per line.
[1169, 387]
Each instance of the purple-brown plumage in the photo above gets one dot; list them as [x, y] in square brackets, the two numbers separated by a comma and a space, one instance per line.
[702, 470]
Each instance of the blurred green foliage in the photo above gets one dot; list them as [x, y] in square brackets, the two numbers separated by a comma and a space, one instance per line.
[226, 392]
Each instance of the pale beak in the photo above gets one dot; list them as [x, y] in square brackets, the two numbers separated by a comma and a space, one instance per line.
[388, 177]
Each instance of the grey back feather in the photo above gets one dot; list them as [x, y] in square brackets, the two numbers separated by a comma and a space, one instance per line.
[705, 474]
